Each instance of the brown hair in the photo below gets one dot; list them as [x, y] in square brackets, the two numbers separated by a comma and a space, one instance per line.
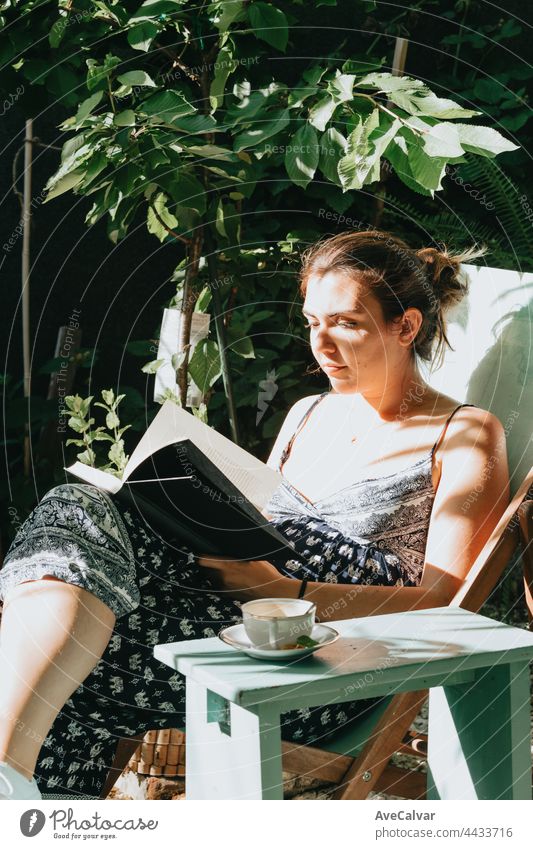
[399, 276]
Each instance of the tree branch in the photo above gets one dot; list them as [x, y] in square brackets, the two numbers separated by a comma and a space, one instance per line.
[168, 229]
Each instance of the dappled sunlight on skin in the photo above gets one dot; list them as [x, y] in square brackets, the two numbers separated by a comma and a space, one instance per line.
[440, 581]
[375, 354]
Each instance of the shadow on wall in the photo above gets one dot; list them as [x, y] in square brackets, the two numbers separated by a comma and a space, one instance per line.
[502, 382]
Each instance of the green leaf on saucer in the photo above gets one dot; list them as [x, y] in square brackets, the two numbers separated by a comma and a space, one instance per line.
[307, 642]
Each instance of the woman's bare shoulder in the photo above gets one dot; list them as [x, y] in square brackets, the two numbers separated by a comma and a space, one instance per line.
[474, 430]
[303, 404]
[465, 416]
[290, 423]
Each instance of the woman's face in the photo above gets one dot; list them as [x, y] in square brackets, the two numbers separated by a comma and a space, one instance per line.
[350, 340]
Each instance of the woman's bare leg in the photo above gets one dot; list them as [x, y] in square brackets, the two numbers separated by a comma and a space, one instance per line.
[52, 636]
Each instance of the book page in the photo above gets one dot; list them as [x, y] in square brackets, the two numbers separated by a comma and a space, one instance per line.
[253, 478]
[96, 477]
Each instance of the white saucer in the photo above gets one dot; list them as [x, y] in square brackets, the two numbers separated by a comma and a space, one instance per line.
[235, 636]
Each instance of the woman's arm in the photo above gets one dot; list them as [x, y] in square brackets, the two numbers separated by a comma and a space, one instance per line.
[472, 494]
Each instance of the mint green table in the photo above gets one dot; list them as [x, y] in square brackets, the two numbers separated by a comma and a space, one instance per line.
[479, 705]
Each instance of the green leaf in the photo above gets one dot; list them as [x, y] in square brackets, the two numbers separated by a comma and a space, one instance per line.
[306, 642]
[78, 404]
[151, 9]
[141, 35]
[301, 156]
[187, 191]
[322, 111]
[297, 96]
[88, 457]
[441, 140]
[397, 155]
[95, 166]
[428, 171]
[77, 424]
[262, 130]
[438, 107]
[413, 96]
[341, 87]
[204, 365]
[196, 124]
[361, 66]
[361, 153]
[69, 181]
[249, 103]
[224, 66]
[212, 151]
[102, 437]
[108, 396]
[97, 74]
[86, 107]
[488, 91]
[219, 219]
[154, 224]
[485, 141]
[230, 11]
[332, 148]
[242, 346]
[116, 454]
[269, 24]
[200, 412]
[57, 31]
[314, 74]
[112, 420]
[125, 119]
[168, 106]
[85, 404]
[120, 217]
[177, 359]
[151, 367]
[140, 78]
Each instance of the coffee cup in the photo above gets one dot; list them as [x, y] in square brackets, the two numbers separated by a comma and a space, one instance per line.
[276, 623]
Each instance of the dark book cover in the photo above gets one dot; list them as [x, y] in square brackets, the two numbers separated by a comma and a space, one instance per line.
[182, 497]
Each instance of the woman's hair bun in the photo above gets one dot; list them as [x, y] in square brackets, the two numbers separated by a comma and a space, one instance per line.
[444, 271]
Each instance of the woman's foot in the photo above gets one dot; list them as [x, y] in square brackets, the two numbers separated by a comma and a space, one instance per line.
[13, 785]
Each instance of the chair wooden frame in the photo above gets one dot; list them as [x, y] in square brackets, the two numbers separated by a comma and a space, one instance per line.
[374, 740]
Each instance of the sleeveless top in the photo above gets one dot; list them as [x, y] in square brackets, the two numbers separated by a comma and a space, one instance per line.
[391, 512]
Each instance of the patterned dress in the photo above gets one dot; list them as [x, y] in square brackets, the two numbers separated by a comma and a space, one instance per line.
[371, 533]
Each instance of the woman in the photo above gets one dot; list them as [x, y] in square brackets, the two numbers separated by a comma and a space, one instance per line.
[377, 471]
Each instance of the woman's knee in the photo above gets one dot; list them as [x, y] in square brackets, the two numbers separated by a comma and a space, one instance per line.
[69, 490]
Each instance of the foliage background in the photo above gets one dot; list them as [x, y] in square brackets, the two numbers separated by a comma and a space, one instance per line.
[473, 52]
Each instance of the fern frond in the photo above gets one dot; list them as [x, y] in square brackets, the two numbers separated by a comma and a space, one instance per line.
[487, 176]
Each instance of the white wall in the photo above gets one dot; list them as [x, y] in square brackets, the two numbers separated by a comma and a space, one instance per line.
[491, 366]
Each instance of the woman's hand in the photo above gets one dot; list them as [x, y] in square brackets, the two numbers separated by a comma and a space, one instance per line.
[245, 580]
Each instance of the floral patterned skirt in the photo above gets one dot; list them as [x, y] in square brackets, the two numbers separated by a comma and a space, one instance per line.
[159, 595]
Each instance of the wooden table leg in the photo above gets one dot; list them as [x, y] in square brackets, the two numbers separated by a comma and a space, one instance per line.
[232, 752]
[479, 737]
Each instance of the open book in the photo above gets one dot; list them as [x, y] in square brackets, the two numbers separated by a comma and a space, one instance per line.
[193, 485]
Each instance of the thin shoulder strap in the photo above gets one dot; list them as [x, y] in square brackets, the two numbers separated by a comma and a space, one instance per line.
[447, 422]
[287, 450]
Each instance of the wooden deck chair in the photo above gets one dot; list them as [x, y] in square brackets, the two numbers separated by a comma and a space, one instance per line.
[357, 759]
[525, 516]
